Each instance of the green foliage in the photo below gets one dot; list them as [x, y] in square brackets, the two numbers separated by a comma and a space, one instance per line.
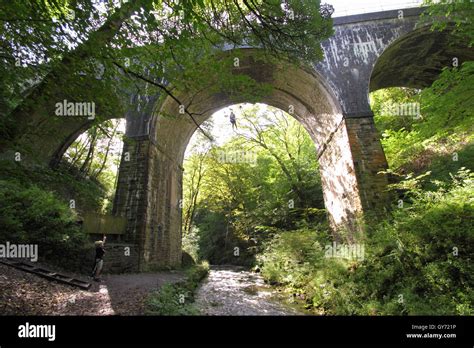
[167, 302]
[265, 175]
[177, 299]
[99, 53]
[95, 155]
[417, 263]
[455, 16]
[34, 216]
[384, 100]
[216, 242]
[443, 166]
[448, 102]
[288, 256]
[31, 38]
[66, 184]
[191, 243]
[425, 253]
[35, 208]
[420, 260]
[444, 129]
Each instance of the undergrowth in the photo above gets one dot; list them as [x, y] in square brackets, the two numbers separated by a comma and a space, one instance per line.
[417, 262]
[177, 299]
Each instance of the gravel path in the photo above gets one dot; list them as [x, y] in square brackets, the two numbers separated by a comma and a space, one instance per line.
[24, 293]
[230, 290]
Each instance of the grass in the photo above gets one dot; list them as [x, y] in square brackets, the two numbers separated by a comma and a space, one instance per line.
[63, 182]
[417, 262]
[177, 299]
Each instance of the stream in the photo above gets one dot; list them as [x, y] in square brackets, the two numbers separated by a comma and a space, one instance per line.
[232, 290]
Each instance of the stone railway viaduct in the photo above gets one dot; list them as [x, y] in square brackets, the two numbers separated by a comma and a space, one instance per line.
[367, 52]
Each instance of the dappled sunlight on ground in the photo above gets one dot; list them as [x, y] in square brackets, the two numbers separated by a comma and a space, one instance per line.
[230, 290]
[24, 293]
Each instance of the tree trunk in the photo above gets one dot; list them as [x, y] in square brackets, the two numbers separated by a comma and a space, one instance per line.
[104, 162]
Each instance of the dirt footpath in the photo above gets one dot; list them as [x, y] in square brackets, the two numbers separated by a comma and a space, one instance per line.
[23, 293]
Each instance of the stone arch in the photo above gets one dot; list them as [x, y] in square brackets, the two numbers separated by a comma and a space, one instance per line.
[417, 58]
[43, 137]
[63, 134]
[150, 183]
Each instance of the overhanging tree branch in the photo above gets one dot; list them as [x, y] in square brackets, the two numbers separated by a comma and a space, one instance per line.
[168, 92]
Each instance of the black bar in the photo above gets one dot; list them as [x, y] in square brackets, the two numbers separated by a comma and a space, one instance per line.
[242, 330]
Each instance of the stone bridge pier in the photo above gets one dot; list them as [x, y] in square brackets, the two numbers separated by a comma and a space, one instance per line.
[149, 194]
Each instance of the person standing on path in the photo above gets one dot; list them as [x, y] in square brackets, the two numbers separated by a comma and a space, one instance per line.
[232, 119]
[99, 259]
